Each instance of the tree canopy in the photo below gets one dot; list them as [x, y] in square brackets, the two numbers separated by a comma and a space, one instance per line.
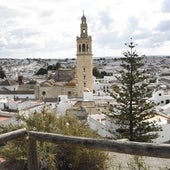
[99, 74]
[133, 112]
[41, 71]
[2, 73]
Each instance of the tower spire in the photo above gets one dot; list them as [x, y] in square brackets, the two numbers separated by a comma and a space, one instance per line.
[83, 26]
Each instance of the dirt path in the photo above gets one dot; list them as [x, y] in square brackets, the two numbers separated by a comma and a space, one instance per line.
[121, 161]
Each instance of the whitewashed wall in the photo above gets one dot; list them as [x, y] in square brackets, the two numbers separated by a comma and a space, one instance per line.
[22, 96]
[98, 123]
[160, 97]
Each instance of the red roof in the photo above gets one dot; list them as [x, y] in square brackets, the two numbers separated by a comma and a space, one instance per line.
[3, 118]
[2, 160]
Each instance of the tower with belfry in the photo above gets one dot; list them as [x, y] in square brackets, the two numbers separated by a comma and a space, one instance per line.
[84, 60]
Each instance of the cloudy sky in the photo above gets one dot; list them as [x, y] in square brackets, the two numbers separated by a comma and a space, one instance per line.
[48, 28]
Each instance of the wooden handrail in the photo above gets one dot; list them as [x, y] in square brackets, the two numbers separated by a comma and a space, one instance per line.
[12, 135]
[134, 148]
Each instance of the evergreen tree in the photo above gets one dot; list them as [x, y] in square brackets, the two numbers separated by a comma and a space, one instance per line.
[98, 74]
[41, 71]
[2, 73]
[58, 65]
[133, 111]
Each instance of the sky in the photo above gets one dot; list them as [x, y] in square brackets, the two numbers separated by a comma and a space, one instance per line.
[48, 28]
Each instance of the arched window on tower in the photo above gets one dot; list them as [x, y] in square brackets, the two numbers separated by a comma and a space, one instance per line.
[83, 47]
[80, 48]
[84, 84]
[87, 48]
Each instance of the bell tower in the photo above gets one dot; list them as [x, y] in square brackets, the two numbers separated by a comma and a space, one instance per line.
[84, 59]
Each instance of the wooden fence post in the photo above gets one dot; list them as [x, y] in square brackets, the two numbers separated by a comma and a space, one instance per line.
[32, 155]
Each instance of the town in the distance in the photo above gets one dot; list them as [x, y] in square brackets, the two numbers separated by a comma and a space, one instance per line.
[82, 86]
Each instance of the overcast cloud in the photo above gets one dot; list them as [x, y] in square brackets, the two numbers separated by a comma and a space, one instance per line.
[48, 28]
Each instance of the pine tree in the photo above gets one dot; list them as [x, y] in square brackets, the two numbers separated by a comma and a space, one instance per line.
[133, 111]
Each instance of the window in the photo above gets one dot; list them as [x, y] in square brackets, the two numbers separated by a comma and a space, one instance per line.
[162, 101]
[167, 101]
[160, 94]
[84, 84]
[83, 47]
[69, 93]
[79, 48]
[43, 93]
[88, 48]
[59, 99]
[84, 69]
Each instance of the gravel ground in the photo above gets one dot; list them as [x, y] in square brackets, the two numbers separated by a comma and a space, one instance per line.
[120, 162]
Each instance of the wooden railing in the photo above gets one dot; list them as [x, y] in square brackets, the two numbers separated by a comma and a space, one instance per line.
[12, 135]
[134, 148]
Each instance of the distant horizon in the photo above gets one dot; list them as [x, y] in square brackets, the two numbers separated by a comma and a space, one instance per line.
[75, 57]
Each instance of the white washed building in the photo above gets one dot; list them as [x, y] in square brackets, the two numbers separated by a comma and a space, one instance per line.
[161, 97]
[18, 94]
[164, 135]
[63, 103]
[101, 124]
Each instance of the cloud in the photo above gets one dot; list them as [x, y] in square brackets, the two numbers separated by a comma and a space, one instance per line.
[46, 14]
[163, 26]
[18, 38]
[51, 26]
[141, 34]
[24, 32]
[7, 13]
[166, 6]
[105, 19]
[145, 38]
[160, 34]
[115, 39]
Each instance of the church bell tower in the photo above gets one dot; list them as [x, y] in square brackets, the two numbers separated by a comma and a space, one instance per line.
[84, 59]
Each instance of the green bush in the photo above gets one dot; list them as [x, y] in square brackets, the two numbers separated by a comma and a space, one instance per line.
[52, 156]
